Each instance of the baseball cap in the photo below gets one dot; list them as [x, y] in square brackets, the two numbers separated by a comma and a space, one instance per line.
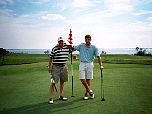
[60, 38]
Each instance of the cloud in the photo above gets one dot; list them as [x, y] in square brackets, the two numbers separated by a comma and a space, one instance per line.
[142, 12]
[53, 17]
[38, 1]
[5, 2]
[81, 4]
[106, 25]
[117, 7]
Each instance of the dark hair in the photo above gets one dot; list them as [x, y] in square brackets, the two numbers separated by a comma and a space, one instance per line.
[87, 36]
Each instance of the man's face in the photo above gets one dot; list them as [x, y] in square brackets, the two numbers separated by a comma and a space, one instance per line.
[61, 43]
[88, 40]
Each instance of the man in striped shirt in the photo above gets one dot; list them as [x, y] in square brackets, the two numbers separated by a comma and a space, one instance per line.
[57, 67]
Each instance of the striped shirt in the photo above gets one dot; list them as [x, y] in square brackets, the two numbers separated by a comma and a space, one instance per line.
[59, 55]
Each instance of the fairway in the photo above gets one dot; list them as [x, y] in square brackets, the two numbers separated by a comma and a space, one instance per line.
[127, 87]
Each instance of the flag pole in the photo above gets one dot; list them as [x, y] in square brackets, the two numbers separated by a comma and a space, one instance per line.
[70, 41]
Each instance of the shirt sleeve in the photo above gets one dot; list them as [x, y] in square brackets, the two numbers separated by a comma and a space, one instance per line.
[96, 51]
[77, 47]
[52, 53]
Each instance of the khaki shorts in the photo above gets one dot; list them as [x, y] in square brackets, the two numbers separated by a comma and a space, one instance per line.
[86, 70]
[59, 72]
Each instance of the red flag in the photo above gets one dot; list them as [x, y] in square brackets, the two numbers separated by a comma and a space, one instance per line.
[70, 39]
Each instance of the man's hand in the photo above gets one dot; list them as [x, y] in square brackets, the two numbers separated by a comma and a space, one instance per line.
[101, 67]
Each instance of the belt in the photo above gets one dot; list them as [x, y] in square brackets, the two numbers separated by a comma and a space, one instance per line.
[59, 64]
[84, 61]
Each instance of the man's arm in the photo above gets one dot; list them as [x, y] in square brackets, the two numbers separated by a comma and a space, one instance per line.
[50, 65]
[100, 62]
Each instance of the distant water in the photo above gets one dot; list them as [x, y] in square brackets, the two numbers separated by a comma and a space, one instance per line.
[108, 51]
[29, 51]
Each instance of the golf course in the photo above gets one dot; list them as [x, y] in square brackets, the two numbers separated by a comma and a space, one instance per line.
[127, 84]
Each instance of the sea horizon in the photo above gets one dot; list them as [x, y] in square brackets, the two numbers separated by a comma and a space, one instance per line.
[129, 51]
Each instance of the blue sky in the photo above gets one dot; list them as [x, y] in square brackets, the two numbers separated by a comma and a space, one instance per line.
[111, 23]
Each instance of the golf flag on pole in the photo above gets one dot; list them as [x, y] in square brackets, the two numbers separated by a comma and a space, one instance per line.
[71, 46]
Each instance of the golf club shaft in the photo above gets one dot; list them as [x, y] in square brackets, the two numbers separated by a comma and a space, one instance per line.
[55, 87]
[102, 89]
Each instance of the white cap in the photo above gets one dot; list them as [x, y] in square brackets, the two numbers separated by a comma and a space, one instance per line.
[60, 38]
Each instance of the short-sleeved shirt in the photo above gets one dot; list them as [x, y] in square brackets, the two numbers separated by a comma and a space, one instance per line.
[87, 54]
[59, 55]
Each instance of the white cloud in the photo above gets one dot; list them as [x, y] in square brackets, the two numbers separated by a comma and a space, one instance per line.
[81, 3]
[149, 19]
[39, 1]
[116, 7]
[53, 17]
[5, 2]
[27, 30]
[142, 12]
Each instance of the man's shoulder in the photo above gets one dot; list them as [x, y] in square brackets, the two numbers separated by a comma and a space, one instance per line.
[55, 47]
[93, 46]
[82, 44]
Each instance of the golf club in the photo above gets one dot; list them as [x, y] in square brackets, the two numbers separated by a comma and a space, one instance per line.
[102, 89]
[54, 86]
[52, 81]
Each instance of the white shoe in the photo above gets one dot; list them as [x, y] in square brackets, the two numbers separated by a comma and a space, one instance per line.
[50, 101]
[92, 96]
[63, 98]
[85, 97]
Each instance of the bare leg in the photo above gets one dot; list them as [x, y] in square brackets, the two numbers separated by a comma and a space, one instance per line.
[51, 90]
[84, 82]
[61, 88]
[88, 82]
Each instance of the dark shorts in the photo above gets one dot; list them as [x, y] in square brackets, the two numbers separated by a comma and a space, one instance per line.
[59, 72]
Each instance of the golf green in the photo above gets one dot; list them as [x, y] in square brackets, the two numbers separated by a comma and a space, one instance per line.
[127, 90]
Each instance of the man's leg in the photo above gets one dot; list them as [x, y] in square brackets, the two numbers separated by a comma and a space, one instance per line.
[51, 93]
[88, 82]
[84, 82]
[61, 88]
[61, 91]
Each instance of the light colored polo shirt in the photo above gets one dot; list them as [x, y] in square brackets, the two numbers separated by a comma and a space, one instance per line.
[87, 54]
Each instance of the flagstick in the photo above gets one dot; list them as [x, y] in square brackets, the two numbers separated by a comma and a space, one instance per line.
[70, 41]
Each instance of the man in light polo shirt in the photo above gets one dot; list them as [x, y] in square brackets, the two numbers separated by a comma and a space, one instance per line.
[87, 53]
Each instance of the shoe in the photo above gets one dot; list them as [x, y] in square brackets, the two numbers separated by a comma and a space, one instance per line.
[85, 97]
[91, 94]
[50, 101]
[63, 98]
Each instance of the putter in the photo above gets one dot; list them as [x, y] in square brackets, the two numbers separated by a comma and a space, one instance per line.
[102, 89]
[52, 81]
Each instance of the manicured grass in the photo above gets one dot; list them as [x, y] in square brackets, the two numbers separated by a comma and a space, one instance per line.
[18, 59]
[21, 58]
[127, 87]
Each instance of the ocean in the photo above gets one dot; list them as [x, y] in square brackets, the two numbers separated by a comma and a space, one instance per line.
[129, 51]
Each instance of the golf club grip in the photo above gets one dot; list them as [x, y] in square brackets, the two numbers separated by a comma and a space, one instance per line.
[101, 74]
